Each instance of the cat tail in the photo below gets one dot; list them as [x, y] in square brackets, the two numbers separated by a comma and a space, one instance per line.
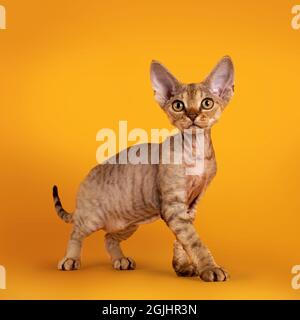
[64, 215]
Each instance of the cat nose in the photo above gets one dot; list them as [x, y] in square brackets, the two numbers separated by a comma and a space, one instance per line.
[192, 116]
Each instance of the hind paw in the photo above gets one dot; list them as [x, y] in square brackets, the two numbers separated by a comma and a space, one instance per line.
[124, 264]
[69, 264]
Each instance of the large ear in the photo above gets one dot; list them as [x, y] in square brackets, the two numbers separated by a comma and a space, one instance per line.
[163, 82]
[221, 79]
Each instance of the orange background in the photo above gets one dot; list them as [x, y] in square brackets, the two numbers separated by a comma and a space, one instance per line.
[70, 68]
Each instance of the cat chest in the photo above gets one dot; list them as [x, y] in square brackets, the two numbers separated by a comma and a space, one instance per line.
[195, 185]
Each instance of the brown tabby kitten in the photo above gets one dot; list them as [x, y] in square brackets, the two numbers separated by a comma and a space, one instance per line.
[119, 197]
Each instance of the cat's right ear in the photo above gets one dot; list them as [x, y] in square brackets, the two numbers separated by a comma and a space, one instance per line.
[163, 82]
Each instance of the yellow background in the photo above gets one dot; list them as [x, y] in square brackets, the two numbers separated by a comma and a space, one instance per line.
[70, 68]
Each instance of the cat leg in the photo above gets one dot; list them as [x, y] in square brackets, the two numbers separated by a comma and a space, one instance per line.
[71, 261]
[181, 225]
[174, 212]
[112, 245]
[182, 263]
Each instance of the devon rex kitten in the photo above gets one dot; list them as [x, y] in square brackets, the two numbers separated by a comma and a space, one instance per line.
[119, 197]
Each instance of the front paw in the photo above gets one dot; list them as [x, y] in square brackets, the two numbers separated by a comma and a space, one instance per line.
[187, 270]
[214, 273]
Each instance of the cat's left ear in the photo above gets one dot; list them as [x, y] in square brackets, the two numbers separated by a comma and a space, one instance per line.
[163, 82]
[221, 79]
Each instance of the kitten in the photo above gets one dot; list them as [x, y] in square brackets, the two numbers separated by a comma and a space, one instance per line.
[119, 197]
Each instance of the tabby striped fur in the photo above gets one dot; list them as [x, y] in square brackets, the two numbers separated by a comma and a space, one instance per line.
[117, 198]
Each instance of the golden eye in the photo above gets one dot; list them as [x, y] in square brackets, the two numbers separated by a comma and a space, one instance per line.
[178, 106]
[207, 103]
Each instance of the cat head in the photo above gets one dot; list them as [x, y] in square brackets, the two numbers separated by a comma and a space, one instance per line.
[194, 105]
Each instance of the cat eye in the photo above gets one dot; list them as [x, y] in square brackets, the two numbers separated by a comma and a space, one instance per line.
[178, 106]
[207, 103]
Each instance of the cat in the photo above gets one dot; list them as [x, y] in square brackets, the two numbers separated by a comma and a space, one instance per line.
[117, 198]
